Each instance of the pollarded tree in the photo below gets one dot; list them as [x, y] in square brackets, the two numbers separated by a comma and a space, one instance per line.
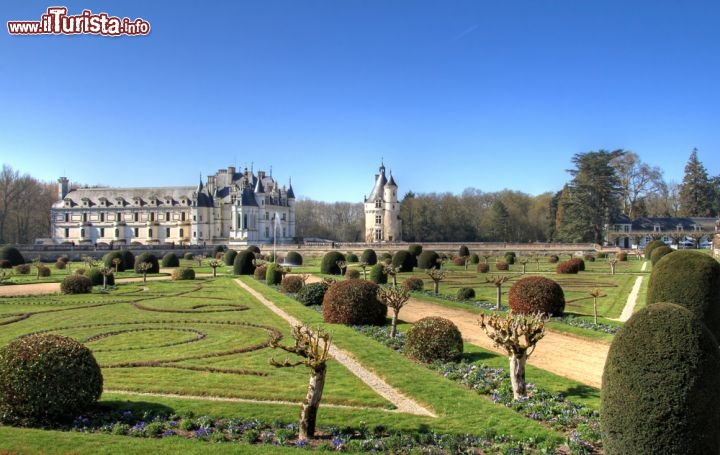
[314, 348]
[696, 192]
[437, 275]
[498, 281]
[395, 298]
[517, 334]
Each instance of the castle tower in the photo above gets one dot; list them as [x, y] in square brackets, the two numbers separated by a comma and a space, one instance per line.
[63, 188]
[382, 210]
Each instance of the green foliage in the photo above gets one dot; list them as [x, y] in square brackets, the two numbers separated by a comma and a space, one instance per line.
[76, 284]
[414, 283]
[660, 385]
[5, 264]
[510, 257]
[659, 252]
[601, 255]
[329, 263]
[580, 263]
[170, 260]
[353, 302]
[150, 258]
[553, 258]
[474, 258]
[294, 258]
[405, 260]
[260, 272]
[351, 257]
[229, 257]
[463, 251]
[697, 193]
[218, 250]
[188, 256]
[428, 259]
[46, 378]
[536, 294]
[96, 277]
[385, 257]
[292, 284]
[60, 265]
[312, 294]
[254, 248]
[273, 274]
[483, 267]
[502, 266]
[128, 260]
[109, 257]
[460, 260]
[377, 274]
[369, 256]
[622, 256]
[434, 339]
[568, 267]
[465, 293]
[43, 271]
[352, 274]
[12, 254]
[22, 269]
[690, 279]
[243, 263]
[415, 249]
[183, 273]
[651, 246]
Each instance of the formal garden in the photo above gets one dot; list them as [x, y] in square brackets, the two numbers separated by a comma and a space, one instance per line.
[196, 352]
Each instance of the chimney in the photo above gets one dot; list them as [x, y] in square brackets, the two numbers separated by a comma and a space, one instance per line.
[63, 187]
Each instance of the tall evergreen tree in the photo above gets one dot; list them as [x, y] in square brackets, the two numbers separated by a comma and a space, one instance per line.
[499, 221]
[696, 193]
[591, 199]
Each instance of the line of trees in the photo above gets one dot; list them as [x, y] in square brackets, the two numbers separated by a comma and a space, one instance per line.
[25, 204]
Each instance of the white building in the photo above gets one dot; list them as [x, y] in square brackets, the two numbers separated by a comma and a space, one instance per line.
[382, 211]
[230, 208]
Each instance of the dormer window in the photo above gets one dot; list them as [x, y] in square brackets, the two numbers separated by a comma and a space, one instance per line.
[656, 228]
[679, 227]
[68, 202]
[103, 202]
[137, 201]
[85, 202]
[120, 201]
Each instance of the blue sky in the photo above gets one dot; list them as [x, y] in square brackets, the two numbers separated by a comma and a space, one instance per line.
[449, 94]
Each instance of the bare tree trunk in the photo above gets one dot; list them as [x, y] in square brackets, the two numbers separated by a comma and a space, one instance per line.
[436, 287]
[393, 328]
[498, 293]
[308, 412]
[517, 375]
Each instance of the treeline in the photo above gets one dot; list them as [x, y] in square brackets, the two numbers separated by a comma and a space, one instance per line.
[25, 204]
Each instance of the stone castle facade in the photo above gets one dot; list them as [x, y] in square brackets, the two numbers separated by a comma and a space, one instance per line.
[382, 210]
[230, 208]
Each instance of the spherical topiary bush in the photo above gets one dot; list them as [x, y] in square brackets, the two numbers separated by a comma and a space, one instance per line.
[502, 266]
[369, 256]
[377, 274]
[404, 260]
[351, 257]
[149, 258]
[568, 267]
[312, 294]
[690, 279]
[621, 256]
[292, 284]
[329, 263]
[76, 284]
[243, 263]
[45, 379]
[385, 258]
[659, 252]
[96, 277]
[428, 259]
[660, 385]
[463, 251]
[415, 249]
[260, 272]
[183, 273]
[60, 265]
[128, 259]
[553, 258]
[651, 246]
[170, 260]
[460, 260]
[22, 269]
[434, 339]
[352, 274]
[474, 258]
[5, 264]
[353, 302]
[465, 294]
[273, 274]
[536, 294]
[110, 257]
[414, 283]
[509, 257]
[483, 267]
[580, 264]
[12, 254]
[293, 258]
[188, 256]
[229, 257]
[44, 271]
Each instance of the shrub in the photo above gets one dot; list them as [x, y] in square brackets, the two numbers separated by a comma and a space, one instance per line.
[254, 248]
[312, 294]
[147, 257]
[465, 294]
[553, 259]
[43, 271]
[12, 254]
[108, 258]
[568, 267]
[659, 252]
[601, 255]
[353, 302]
[329, 263]
[510, 257]
[188, 256]
[621, 256]
[243, 263]
[170, 260]
[580, 263]
[292, 284]
[351, 257]
[229, 257]
[46, 378]
[483, 267]
[463, 251]
[502, 265]
[660, 384]
[217, 250]
[651, 246]
[690, 279]
[5, 264]
[428, 259]
[434, 339]
[377, 274]
[80, 271]
[414, 283]
[22, 269]
[60, 265]
[415, 249]
[589, 257]
[460, 260]
[96, 278]
[404, 260]
[294, 258]
[352, 274]
[474, 258]
[76, 284]
[128, 259]
[385, 257]
[536, 294]
[183, 273]
[273, 274]
[260, 272]
[369, 256]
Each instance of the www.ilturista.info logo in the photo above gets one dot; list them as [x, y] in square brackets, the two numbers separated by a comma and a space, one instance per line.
[57, 22]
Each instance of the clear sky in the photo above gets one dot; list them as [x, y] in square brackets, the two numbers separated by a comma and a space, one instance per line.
[449, 94]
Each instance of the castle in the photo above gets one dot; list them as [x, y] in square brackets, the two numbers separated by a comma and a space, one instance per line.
[231, 208]
[382, 210]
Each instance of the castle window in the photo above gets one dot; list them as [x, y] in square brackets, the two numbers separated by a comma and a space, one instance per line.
[150, 232]
[182, 216]
[283, 217]
[167, 216]
[152, 216]
[67, 217]
[267, 216]
[102, 217]
[378, 219]
[117, 232]
[182, 232]
[85, 218]
[67, 232]
[136, 216]
[136, 232]
[102, 232]
[267, 231]
[167, 232]
[82, 232]
[378, 204]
